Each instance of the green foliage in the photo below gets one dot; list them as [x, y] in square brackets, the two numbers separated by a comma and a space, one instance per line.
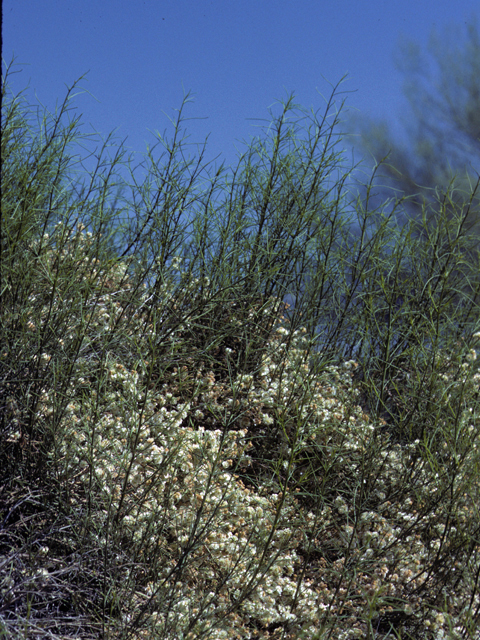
[184, 454]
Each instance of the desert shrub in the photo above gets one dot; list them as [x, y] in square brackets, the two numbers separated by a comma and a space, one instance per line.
[185, 455]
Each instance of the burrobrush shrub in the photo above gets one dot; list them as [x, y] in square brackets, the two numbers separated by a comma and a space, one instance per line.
[184, 454]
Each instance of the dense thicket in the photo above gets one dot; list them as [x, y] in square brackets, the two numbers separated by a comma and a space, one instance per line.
[186, 361]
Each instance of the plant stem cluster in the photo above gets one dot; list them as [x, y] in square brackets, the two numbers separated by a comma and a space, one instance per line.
[189, 448]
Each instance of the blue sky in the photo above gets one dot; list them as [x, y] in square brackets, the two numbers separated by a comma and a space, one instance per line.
[236, 57]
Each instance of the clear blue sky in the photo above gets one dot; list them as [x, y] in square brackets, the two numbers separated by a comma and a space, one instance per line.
[237, 56]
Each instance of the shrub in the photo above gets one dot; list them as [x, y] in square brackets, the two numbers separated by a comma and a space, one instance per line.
[185, 455]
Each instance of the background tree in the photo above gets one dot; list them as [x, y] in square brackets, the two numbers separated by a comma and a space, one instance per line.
[442, 136]
[435, 165]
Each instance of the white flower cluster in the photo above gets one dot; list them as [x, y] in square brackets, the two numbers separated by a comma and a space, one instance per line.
[176, 477]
